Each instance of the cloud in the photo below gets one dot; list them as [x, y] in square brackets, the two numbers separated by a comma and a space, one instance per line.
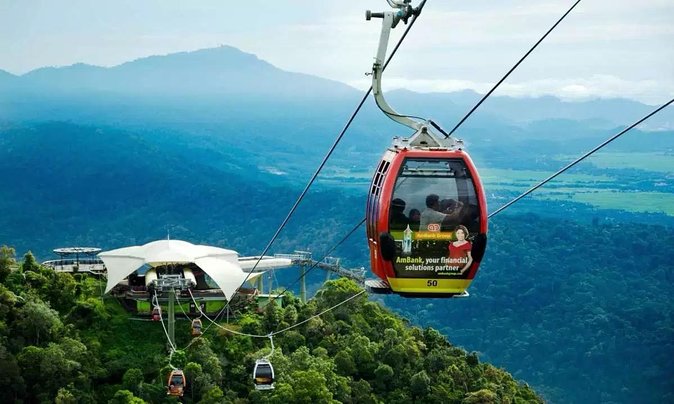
[579, 89]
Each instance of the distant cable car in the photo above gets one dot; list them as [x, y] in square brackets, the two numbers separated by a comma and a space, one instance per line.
[176, 383]
[196, 327]
[263, 375]
[426, 209]
[156, 313]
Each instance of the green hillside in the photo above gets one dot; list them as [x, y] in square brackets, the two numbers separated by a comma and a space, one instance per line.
[61, 341]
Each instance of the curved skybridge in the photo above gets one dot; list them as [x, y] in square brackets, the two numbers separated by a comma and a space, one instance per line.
[77, 260]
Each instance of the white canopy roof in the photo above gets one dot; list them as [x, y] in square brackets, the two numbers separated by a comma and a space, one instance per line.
[220, 264]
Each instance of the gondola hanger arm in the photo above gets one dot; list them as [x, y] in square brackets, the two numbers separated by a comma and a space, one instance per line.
[390, 21]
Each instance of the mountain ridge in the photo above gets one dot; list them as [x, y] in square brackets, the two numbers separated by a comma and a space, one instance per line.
[222, 70]
[192, 76]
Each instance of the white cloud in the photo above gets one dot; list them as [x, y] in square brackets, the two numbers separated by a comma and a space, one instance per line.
[596, 86]
[454, 44]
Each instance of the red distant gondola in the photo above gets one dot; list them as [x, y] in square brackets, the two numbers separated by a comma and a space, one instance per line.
[156, 313]
[196, 327]
[176, 383]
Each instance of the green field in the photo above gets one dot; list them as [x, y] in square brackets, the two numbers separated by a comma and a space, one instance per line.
[656, 161]
[602, 191]
[599, 191]
[506, 177]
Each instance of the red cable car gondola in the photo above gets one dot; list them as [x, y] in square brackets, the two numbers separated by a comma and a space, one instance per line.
[426, 209]
[437, 251]
[176, 383]
[196, 327]
[156, 313]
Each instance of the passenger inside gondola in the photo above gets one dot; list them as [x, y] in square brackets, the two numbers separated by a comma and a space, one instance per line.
[176, 383]
[398, 219]
[415, 218]
[433, 217]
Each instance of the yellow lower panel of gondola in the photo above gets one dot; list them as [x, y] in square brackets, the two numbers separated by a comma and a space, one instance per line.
[430, 286]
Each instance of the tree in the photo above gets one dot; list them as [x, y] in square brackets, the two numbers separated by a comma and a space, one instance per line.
[472, 359]
[292, 340]
[64, 396]
[420, 384]
[179, 358]
[192, 372]
[132, 380]
[7, 261]
[60, 291]
[272, 317]
[7, 302]
[29, 263]
[11, 375]
[344, 363]
[290, 315]
[361, 392]
[125, 397]
[36, 321]
[310, 387]
[483, 396]
[383, 376]
[213, 396]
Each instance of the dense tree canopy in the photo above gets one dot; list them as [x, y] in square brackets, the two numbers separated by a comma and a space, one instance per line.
[58, 340]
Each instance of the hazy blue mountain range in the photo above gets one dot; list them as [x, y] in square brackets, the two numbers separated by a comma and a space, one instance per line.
[223, 98]
[210, 75]
[223, 70]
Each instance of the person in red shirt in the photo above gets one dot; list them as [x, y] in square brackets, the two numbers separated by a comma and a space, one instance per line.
[460, 250]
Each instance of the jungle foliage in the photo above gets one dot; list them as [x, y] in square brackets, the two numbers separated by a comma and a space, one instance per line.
[61, 341]
[584, 312]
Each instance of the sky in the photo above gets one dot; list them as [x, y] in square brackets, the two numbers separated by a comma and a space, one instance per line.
[604, 48]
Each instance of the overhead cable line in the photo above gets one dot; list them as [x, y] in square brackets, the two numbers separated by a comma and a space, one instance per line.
[510, 71]
[327, 254]
[581, 158]
[332, 149]
[319, 314]
[271, 334]
[213, 321]
[161, 319]
[565, 168]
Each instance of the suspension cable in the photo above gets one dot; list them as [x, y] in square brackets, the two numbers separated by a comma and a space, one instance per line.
[271, 334]
[327, 254]
[181, 306]
[330, 151]
[224, 328]
[318, 315]
[510, 71]
[161, 319]
[271, 340]
[581, 158]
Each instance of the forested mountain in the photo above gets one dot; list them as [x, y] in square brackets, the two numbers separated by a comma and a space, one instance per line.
[225, 71]
[60, 342]
[212, 83]
[582, 311]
